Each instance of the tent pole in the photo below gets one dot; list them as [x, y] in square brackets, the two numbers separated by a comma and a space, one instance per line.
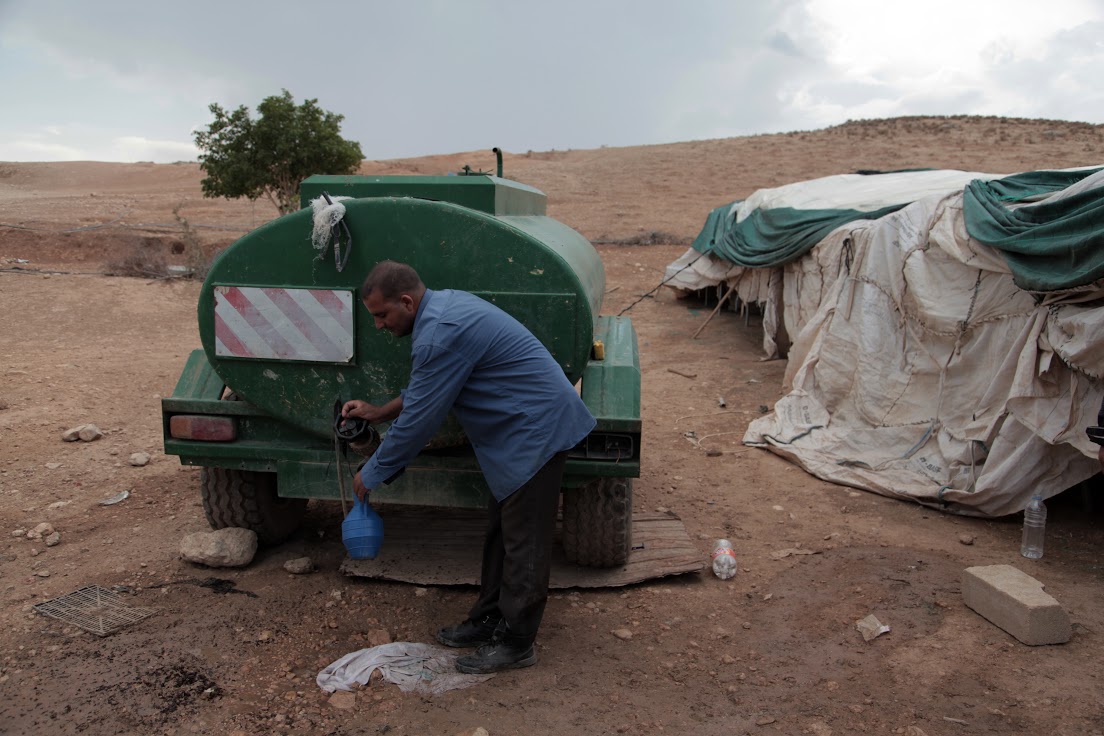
[713, 314]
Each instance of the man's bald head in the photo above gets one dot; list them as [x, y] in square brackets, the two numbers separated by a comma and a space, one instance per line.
[391, 280]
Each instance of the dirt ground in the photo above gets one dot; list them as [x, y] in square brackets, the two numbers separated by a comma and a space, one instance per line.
[772, 651]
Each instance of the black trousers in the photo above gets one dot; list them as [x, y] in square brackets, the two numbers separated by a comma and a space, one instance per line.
[517, 553]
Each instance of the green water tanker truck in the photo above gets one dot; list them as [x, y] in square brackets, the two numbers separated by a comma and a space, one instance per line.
[285, 337]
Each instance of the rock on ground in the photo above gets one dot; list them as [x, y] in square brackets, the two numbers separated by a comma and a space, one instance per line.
[378, 637]
[299, 566]
[83, 432]
[233, 547]
[139, 459]
[89, 433]
[44, 529]
[343, 700]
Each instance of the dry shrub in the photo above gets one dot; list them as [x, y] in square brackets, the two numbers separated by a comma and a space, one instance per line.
[143, 261]
[198, 261]
[652, 237]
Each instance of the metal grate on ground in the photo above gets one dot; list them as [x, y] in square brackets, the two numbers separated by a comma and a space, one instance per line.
[94, 609]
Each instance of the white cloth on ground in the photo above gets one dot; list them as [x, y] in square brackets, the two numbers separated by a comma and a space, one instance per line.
[412, 666]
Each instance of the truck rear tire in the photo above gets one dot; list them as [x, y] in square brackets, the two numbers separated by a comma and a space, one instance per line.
[597, 522]
[248, 499]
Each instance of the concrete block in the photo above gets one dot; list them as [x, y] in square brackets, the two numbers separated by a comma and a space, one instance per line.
[1015, 601]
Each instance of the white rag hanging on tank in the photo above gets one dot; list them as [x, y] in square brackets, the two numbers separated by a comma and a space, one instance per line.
[413, 667]
[326, 217]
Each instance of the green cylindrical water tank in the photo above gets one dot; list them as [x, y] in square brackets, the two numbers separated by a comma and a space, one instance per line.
[288, 333]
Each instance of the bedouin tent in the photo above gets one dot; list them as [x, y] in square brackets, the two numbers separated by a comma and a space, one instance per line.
[946, 328]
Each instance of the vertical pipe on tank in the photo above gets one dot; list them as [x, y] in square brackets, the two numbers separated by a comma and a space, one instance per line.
[498, 155]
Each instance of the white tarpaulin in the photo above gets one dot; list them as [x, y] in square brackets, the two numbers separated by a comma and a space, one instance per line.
[764, 286]
[919, 369]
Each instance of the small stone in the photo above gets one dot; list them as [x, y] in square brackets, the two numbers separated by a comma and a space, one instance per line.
[966, 539]
[53, 466]
[477, 731]
[89, 433]
[622, 634]
[728, 659]
[378, 637]
[764, 721]
[231, 547]
[746, 625]
[343, 700]
[53, 540]
[299, 566]
[139, 459]
[264, 635]
[19, 532]
[58, 504]
[42, 573]
[420, 592]
[43, 529]
[73, 434]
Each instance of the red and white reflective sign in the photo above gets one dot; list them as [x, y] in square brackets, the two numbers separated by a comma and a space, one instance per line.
[284, 324]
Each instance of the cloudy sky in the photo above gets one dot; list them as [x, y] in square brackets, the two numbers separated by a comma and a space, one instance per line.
[128, 81]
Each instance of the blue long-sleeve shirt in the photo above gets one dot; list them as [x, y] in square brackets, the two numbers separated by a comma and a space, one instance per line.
[513, 400]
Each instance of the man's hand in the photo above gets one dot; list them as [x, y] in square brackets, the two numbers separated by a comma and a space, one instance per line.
[362, 410]
[370, 412]
[358, 487]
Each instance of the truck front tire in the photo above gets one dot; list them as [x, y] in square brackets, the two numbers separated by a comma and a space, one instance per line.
[248, 499]
[597, 522]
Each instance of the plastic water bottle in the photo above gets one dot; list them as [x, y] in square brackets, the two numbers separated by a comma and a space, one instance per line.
[724, 559]
[362, 531]
[1034, 529]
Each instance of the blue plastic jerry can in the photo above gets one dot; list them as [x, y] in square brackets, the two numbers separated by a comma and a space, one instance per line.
[362, 531]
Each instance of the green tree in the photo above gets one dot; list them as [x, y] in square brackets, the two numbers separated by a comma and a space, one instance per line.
[270, 155]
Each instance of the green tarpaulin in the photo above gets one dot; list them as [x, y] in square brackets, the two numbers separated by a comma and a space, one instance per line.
[1053, 245]
[774, 236]
[1048, 246]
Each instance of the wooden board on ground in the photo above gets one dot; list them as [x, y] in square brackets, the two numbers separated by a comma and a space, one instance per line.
[444, 547]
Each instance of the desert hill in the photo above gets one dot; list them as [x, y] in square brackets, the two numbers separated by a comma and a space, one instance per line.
[608, 194]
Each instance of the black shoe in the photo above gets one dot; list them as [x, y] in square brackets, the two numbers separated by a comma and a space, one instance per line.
[497, 656]
[469, 633]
